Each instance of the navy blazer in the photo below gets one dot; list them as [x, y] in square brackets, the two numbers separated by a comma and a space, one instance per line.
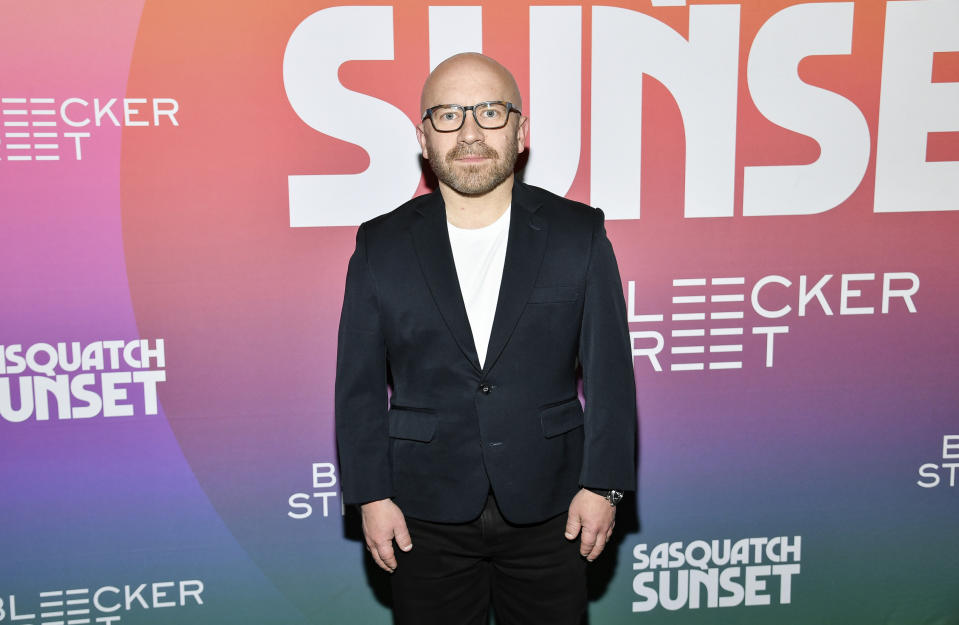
[450, 430]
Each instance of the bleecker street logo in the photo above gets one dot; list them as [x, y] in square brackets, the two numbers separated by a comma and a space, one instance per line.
[103, 606]
[73, 381]
[324, 489]
[942, 472]
[707, 329]
[51, 129]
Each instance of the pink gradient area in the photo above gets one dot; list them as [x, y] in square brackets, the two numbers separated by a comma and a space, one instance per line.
[61, 218]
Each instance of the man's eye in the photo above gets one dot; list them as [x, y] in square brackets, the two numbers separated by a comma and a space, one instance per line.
[449, 116]
[490, 113]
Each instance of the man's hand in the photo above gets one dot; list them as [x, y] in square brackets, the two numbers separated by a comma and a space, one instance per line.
[382, 522]
[592, 515]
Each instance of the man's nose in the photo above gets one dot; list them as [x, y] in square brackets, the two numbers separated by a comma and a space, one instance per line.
[470, 131]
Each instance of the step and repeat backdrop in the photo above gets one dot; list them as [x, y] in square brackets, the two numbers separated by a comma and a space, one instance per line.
[180, 185]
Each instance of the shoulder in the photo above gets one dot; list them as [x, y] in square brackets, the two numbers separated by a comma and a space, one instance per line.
[399, 219]
[560, 211]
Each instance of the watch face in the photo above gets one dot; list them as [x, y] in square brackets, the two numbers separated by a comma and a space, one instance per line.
[615, 496]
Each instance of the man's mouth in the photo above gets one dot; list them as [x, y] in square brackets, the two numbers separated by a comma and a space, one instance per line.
[468, 157]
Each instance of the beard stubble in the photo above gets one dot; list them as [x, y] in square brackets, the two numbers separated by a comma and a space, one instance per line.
[475, 179]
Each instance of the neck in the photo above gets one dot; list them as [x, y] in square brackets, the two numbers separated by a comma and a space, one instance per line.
[477, 211]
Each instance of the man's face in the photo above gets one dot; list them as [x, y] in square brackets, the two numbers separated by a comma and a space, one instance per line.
[472, 160]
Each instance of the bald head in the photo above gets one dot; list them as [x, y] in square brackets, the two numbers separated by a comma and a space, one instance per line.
[468, 78]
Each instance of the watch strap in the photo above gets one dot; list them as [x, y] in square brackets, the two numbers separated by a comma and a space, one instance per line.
[611, 495]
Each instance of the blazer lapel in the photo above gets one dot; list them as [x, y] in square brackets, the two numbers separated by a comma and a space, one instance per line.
[432, 243]
[524, 255]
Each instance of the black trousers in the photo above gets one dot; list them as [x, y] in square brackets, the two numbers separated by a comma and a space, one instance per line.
[530, 573]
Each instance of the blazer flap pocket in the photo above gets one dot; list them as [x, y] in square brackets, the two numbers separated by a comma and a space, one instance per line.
[559, 419]
[549, 294]
[412, 425]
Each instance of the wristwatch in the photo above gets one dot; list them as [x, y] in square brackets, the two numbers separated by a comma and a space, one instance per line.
[611, 495]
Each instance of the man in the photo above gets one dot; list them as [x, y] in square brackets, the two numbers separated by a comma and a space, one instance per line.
[480, 302]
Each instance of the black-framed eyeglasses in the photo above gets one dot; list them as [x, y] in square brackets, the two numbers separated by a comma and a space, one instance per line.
[489, 115]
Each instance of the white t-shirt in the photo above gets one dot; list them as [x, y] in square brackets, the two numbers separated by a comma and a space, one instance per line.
[479, 255]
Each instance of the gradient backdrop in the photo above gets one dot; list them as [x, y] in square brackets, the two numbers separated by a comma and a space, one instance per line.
[182, 232]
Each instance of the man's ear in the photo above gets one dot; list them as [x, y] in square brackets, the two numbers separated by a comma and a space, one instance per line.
[522, 130]
[421, 137]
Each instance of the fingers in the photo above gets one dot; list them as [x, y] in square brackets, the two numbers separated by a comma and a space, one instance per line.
[374, 551]
[572, 527]
[588, 541]
[384, 550]
[402, 535]
[598, 547]
[594, 541]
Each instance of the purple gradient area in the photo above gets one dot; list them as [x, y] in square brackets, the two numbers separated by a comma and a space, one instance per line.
[835, 431]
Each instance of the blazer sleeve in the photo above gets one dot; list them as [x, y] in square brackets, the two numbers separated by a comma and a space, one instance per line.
[609, 385]
[362, 432]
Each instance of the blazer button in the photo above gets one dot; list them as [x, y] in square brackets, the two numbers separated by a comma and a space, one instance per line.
[485, 389]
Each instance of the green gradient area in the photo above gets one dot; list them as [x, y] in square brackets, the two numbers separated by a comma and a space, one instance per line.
[858, 575]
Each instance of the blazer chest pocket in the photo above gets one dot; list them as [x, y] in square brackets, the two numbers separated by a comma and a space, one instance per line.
[414, 425]
[561, 418]
[553, 294]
